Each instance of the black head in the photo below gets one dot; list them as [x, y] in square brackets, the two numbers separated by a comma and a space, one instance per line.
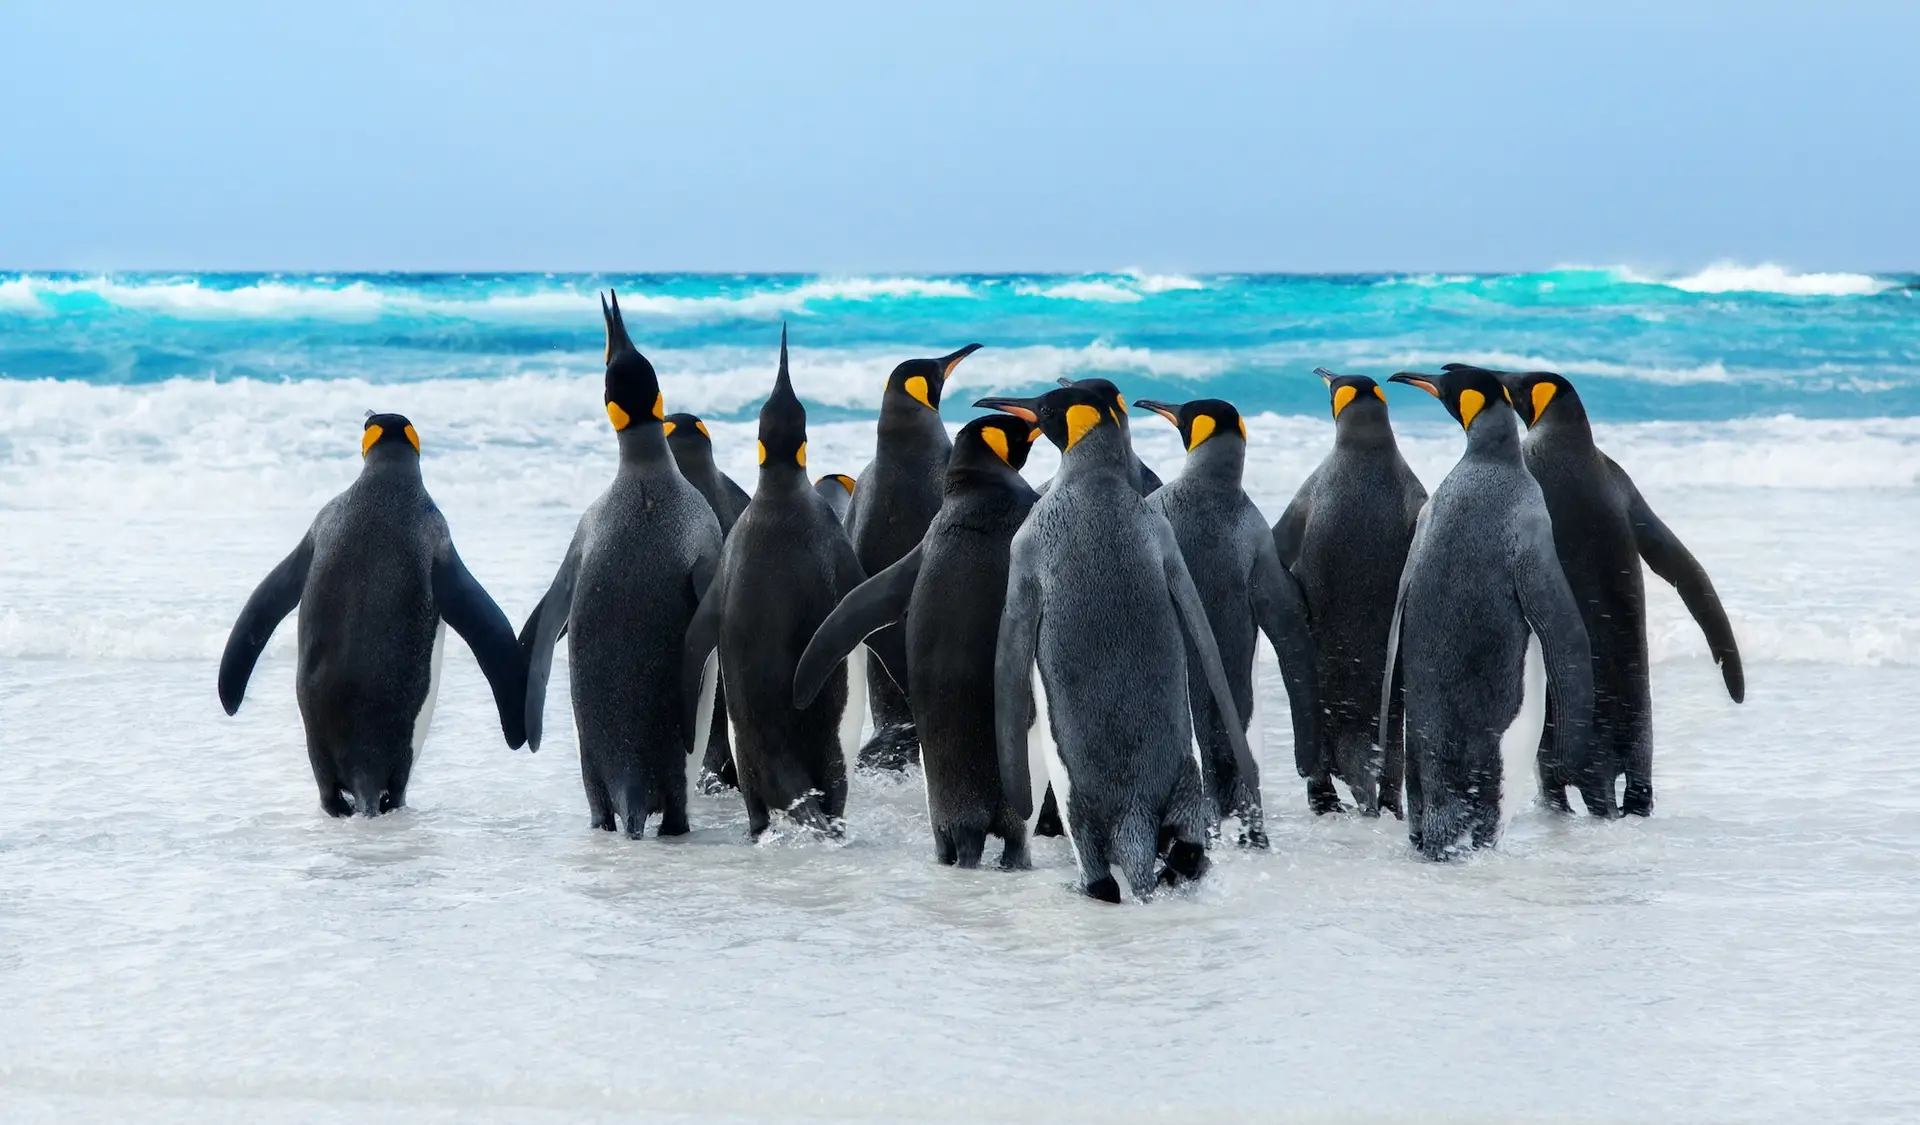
[633, 390]
[1201, 419]
[1348, 389]
[1531, 392]
[1067, 416]
[783, 421]
[686, 429]
[1466, 392]
[920, 381]
[389, 434]
[1005, 436]
[1105, 388]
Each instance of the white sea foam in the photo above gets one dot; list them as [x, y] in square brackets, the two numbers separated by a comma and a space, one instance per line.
[1731, 277]
[268, 299]
[1163, 282]
[1103, 291]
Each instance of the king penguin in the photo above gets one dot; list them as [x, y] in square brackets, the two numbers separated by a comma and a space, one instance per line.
[377, 580]
[786, 565]
[1480, 576]
[893, 502]
[1229, 550]
[837, 490]
[626, 589]
[692, 446]
[1603, 528]
[947, 593]
[1345, 537]
[1100, 597]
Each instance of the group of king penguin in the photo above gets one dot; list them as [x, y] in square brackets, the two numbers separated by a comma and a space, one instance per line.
[1075, 659]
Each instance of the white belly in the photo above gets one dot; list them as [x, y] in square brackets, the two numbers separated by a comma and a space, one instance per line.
[425, 718]
[855, 716]
[1520, 745]
[1044, 764]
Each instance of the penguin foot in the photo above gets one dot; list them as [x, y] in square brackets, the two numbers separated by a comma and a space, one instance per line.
[1390, 802]
[1186, 862]
[1322, 797]
[672, 824]
[892, 747]
[335, 804]
[1105, 889]
[1255, 839]
[712, 783]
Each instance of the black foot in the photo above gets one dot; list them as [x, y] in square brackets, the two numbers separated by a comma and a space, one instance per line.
[1254, 838]
[1322, 797]
[1390, 802]
[1636, 803]
[1106, 889]
[335, 804]
[1048, 823]
[712, 782]
[1186, 862]
[672, 825]
[893, 747]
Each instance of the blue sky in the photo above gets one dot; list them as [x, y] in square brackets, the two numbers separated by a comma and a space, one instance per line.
[920, 137]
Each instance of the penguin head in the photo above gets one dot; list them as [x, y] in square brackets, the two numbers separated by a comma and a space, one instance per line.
[388, 435]
[1532, 392]
[1069, 415]
[686, 431]
[917, 383]
[633, 390]
[783, 421]
[1352, 390]
[837, 480]
[1106, 389]
[1003, 439]
[1200, 420]
[1468, 393]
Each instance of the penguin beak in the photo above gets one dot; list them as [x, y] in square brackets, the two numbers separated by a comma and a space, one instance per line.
[1326, 376]
[1165, 410]
[1417, 379]
[1018, 407]
[949, 362]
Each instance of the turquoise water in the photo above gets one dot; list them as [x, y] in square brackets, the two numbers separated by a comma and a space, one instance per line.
[1725, 343]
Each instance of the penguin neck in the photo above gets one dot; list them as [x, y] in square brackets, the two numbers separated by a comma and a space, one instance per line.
[392, 467]
[1101, 452]
[972, 469]
[783, 479]
[1219, 459]
[903, 418]
[643, 447]
[695, 461]
[1494, 435]
[1354, 430]
[1564, 420]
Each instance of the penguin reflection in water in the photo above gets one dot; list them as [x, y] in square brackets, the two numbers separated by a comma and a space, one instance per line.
[1481, 575]
[377, 581]
[626, 589]
[1602, 528]
[946, 595]
[786, 565]
[1099, 595]
[1229, 550]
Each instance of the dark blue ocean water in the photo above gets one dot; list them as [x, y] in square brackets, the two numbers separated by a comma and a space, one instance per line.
[1727, 342]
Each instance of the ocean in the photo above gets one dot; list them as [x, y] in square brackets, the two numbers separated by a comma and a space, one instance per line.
[185, 936]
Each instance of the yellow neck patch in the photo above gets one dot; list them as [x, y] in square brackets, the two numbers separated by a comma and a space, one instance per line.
[1343, 396]
[1081, 419]
[761, 447]
[846, 482]
[917, 387]
[619, 417]
[1379, 393]
[702, 427]
[800, 455]
[1122, 400]
[1542, 395]
[1203, 427]
[659, 405]
[368, 436]
[1471, 403]
[413, 436]
[996, 440]
[666, 429]
[1243, 429]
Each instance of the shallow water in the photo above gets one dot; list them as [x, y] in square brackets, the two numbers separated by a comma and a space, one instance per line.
[185, 937]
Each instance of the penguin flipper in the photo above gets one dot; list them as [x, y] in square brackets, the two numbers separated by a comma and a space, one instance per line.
[271, 601]
[1193, 616]
[873, 605]
[1012, 675]
[1281, 608]
[1391, 685]
[539, 635]
[467, 607]
[1667, 557]
[1547, 603]
[703, 636]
